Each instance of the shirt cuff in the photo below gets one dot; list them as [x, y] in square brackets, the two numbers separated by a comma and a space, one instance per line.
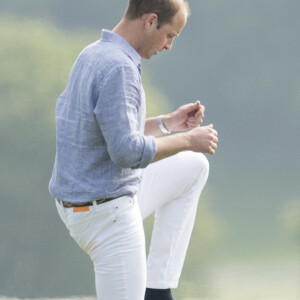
[150, 149]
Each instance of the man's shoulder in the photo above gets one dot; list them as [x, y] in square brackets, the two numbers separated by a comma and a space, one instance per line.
[108, 56]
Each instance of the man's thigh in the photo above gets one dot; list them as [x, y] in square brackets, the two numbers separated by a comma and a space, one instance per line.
[112, 235]
[165, 180]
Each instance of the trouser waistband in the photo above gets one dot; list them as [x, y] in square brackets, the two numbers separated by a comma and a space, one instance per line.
[83, 204]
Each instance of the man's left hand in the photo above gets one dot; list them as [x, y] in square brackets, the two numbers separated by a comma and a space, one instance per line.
[186, 117]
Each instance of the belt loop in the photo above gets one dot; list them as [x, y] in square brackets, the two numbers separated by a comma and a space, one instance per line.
[95, 204]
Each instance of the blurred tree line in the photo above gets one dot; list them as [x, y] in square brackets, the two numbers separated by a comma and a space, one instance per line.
[240, 58]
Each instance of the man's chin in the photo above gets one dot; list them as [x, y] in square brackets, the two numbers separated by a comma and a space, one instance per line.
[148, 57]
[154, 54]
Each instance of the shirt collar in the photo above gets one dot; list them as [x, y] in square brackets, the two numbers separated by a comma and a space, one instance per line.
[112, 37]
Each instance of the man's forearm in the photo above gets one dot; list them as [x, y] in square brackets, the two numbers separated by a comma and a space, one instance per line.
[171, 145]
[202, 139]
[152, 128]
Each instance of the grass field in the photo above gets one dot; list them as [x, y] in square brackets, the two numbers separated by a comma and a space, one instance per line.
[257, 282]
[240, 282]
[280, 281]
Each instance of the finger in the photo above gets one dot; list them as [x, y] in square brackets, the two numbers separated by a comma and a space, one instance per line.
[211, 151]
[214, 146]
[199, 114]
[215, 139]
[191, 108]
[213, 131]
[194, 121]
[200, 109]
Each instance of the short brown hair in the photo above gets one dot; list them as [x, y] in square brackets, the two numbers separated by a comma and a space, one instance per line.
[164, 9]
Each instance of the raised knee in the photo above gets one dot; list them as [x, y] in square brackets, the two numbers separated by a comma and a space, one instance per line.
[199, 164]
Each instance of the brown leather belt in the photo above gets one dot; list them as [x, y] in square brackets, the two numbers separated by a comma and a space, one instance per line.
[84, 204]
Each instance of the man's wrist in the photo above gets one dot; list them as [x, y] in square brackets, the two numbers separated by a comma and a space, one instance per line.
[162, 125]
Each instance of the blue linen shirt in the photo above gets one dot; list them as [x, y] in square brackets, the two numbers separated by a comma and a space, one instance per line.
[100, 123]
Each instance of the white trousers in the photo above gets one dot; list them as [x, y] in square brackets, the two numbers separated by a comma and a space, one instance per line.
[112, 233]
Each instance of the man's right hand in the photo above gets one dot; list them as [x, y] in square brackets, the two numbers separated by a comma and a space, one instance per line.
[203, 139]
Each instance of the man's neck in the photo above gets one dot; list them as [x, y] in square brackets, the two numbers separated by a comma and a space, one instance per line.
[130, 31]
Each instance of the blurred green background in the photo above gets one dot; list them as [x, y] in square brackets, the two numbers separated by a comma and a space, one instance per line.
[241, 59]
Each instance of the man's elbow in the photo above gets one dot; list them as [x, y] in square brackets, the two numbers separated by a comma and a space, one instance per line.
[133, 154]
[126, 159]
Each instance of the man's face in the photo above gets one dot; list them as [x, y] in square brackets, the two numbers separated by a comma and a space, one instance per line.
[162, 38]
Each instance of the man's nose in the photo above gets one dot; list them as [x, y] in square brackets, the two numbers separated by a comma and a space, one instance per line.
[168, 46]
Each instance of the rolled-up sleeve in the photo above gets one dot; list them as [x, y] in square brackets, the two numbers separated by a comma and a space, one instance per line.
[119, 113]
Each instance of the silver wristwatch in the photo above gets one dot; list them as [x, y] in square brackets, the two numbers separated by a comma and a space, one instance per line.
[162, 125]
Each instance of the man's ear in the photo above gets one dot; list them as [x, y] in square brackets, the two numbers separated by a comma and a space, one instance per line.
[150, 20]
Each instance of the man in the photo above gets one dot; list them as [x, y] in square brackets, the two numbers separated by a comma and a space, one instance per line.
[112, 169]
